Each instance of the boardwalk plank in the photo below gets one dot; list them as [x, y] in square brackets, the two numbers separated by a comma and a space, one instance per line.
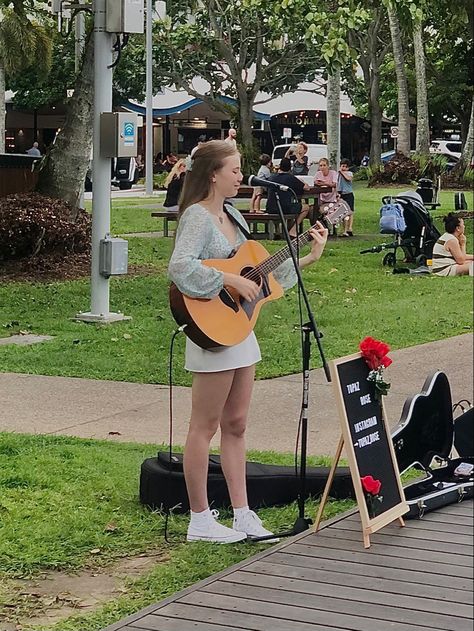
[298, 613]
[164, 623]
[421, 530]
[359, 595]
[352, 569]
[412, 539]
[390, 548]
[333, 604]
[419, 565]
[446, 597]
[425, 524]
[249, 621]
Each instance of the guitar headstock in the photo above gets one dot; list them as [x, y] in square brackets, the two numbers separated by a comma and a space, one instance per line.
[335, 212]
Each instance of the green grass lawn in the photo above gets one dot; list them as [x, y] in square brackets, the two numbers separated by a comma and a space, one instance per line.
[352, 296]
[70, 504]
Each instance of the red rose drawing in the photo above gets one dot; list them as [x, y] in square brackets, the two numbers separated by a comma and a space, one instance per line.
[370, 485]
[375, 353]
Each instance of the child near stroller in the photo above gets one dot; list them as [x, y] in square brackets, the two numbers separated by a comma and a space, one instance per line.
[406, 218]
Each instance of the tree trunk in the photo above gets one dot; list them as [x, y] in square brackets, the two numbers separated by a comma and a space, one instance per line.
[64, 168]
[333, 118]
[403, 144]
[2, 109]
[245, 116]
[468, 150]
[375, 112]
[422, 114]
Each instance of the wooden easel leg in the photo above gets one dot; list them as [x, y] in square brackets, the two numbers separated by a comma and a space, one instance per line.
[327, 488]
[402, 522]
[366, 540]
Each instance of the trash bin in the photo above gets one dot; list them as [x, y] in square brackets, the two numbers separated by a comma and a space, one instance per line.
[426, 190]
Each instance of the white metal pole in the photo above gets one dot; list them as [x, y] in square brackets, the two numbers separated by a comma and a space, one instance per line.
[149, 98]
[101, 168]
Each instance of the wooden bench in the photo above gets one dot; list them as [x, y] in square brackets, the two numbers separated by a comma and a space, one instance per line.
[262, 226]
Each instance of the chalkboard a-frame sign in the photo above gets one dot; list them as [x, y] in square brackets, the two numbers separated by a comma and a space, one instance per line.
[368, 445]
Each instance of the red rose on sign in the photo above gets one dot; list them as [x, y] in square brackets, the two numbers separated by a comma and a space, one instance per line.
[370, 485]
[375, 353]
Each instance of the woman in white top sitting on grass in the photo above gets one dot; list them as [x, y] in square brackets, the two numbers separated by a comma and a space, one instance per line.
[449, 252]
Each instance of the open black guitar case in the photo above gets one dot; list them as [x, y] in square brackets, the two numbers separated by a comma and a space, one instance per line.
[424, 439]
[162, 483]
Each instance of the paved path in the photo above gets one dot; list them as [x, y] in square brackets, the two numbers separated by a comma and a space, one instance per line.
[139, 412]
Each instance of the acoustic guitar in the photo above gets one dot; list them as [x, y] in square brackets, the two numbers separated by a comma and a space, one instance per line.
[228, 318]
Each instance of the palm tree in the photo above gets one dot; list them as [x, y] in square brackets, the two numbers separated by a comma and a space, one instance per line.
[422, 114]
[333, 117]
[23, 41]
[403, 144]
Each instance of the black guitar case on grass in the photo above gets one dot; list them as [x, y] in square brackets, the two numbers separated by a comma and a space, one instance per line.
[163, 487]
[424, 439]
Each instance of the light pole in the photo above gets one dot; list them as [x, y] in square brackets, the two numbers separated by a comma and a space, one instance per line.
[149, 99]
[103, 59]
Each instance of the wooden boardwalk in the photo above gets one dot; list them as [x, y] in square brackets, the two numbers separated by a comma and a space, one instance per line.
[411, 579]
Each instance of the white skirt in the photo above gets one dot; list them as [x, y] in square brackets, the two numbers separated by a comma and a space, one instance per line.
[241, 355]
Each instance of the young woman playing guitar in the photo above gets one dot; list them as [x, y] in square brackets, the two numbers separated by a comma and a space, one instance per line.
[222, 378]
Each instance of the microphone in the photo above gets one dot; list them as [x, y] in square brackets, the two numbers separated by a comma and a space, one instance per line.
[259, 181]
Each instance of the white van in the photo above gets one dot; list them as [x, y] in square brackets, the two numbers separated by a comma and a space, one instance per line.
[315, 152]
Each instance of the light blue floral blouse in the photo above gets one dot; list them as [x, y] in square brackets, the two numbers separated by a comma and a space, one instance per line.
[198, 238]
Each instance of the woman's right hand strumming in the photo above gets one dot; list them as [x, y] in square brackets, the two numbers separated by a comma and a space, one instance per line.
[245, 287]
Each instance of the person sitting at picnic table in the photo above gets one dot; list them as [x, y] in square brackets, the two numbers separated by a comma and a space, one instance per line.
[290, 203]
[264, 172]
[173, 184]
[449, 251]
[326, 177]
[299, 158]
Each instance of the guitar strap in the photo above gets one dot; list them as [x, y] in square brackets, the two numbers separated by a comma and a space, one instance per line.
[237, 223]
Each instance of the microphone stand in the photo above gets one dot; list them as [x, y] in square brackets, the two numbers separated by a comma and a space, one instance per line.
[302, 523]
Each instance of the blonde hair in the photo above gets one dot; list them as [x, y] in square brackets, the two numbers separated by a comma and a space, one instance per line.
[173, 172]
[206, 160]
[325, 160]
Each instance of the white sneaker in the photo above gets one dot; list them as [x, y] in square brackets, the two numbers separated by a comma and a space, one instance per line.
[251, 524]
[209, 529]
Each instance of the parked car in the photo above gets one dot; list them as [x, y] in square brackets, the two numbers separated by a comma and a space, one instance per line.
[315, 152]
[124, 174]
[447, 147]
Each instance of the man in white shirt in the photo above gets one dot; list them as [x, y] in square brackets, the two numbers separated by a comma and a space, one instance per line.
[231, 136]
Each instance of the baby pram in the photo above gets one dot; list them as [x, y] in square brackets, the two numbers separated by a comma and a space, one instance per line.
[418, 237]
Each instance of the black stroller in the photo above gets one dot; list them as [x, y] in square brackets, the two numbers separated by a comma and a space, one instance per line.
[418, 237]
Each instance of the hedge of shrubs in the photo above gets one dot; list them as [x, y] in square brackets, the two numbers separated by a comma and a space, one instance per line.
[32, 225]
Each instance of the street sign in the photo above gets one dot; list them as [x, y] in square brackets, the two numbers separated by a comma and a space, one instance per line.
[393, 132]
[287, 132]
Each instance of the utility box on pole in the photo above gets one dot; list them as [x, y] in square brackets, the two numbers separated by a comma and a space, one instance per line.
[125, 16]
[113, 257]
[118, 134]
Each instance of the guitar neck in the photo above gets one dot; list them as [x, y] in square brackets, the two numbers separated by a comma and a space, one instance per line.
[273, 261]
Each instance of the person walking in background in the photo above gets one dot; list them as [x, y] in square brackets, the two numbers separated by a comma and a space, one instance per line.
[34, 150]
[231, 138]
[223, 378]
[173, 184]
[264, 172]
[345, 191]
[449, 251]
